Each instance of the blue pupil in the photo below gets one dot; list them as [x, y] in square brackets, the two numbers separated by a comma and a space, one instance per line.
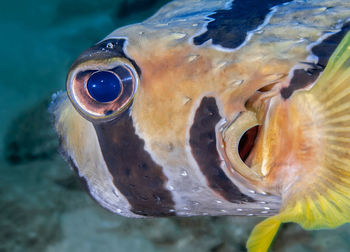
[103, 86]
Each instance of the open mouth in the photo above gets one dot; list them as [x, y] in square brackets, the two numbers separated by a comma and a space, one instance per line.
[242, 138]
[239, 140]
[247, 142]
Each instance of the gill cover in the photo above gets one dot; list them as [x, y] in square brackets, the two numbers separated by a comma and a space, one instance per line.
[318, 197]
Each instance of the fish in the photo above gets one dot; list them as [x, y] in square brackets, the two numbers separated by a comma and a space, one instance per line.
[217, 108]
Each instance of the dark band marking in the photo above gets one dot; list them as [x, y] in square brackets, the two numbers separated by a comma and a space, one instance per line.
[229, 28]
[301, 77]
[134, 172]
[109, 48]
[203, 147]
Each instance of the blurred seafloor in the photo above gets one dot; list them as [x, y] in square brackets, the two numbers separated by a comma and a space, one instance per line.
[42, 205]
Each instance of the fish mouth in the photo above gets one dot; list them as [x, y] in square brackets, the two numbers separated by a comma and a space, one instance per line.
[238, 143]
[247, 143]
[241, 139]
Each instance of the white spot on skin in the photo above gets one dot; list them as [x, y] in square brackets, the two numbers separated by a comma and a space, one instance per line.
[264, 212]
[239, 209]
[171, 188]
[185, 208]
[119, 210]
[171, 210]
[267, 208]
[220, 65]
[184, 173]
[218, 201]
[186, 100]
[251, 191]
[223, 211]
[237, 82]
[192, 58]
[177, 35]
[250, 214]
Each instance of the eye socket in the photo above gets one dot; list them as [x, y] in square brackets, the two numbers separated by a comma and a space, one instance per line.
[102, 94]
[104, 86]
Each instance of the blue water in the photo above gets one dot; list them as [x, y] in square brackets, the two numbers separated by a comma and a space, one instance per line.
[41, 39]
[42, 205]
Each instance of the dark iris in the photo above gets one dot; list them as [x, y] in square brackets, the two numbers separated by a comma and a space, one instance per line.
[103, 86]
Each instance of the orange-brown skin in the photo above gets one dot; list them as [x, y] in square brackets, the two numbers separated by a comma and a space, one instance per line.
[175, 78]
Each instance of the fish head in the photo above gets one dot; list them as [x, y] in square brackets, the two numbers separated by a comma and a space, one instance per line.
[158, 137]
[181, 129]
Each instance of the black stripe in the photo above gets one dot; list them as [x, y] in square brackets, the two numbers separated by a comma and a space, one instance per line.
[229, 28]
[134, 172]
[301, 77]
[203, 147]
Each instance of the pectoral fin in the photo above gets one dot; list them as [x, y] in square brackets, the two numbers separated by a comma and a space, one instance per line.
[318, 196]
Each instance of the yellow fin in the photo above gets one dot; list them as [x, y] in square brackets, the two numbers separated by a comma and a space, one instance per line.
[318, 191]
[262, 235]
[323, 196]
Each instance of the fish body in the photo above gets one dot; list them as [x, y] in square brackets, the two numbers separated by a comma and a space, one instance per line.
[215, 108]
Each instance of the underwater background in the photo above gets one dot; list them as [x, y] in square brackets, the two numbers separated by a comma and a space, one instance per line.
[43, 207]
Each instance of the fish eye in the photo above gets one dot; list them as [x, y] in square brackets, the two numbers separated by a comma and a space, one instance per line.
[101, 92]
[104, 86]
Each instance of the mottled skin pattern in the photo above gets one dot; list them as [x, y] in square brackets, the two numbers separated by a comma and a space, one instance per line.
[176, 75]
